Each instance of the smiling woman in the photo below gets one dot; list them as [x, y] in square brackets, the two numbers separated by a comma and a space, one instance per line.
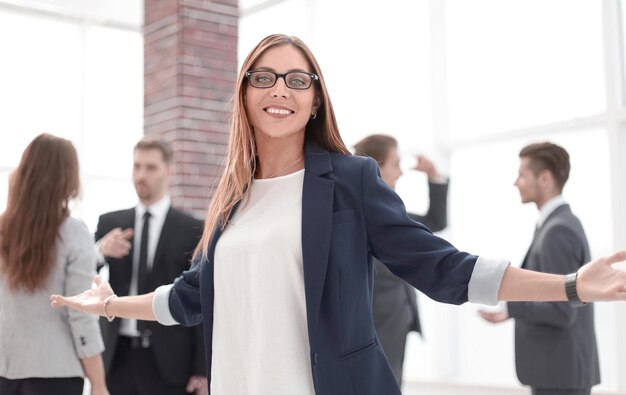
[282, 278]
[279, 107]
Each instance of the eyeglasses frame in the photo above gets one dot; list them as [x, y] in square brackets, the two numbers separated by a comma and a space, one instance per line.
[314, 77]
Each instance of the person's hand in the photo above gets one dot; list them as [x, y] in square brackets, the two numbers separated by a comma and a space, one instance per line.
[90, 301]
[494, 317]
[427, 166]
[600, 281]
[116, 244]
[198, 385]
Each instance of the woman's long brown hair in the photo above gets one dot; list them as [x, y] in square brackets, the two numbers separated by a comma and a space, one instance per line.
[241, 157]
[40, 190]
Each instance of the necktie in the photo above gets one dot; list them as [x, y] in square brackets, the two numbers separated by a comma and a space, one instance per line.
[142, 276]
[142, 280]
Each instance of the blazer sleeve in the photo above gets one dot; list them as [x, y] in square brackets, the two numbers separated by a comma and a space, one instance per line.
[436, 218]
[179, 303]
[409, 249]
[199, 358]
[80, 271]
[562, 253]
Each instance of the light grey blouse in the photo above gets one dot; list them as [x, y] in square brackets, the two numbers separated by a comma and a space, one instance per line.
[37, 340]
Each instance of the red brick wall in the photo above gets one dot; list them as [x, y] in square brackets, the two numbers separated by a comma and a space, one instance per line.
[190, 55]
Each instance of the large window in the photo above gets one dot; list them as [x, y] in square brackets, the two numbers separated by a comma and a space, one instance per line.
[65, 73]
[470, 83]
[466, 82]
[515, 64]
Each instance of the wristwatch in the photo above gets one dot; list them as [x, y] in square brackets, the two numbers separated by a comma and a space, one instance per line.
[570, 290]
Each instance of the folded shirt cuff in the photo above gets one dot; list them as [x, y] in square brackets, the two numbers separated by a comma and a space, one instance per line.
[485, 282]
[100, 258]
[161, 305]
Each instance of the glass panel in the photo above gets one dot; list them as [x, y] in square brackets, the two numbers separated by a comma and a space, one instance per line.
[514, 64]
[4, 189]
[245, 5]
[102, 196]
[291, 17]
[113, 100]
[487, 218]
[378, 73]
[378, 78]
[622, 41]
[40, 76]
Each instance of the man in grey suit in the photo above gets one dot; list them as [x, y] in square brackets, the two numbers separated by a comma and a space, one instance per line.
[394, 301]
[555, 342]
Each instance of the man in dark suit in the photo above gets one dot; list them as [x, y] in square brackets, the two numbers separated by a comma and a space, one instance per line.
[555, 342]
[394, 301]
[142, 248]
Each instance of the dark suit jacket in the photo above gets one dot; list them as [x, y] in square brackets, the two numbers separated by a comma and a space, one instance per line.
[178, 351]
[349, 215]
[555, 344]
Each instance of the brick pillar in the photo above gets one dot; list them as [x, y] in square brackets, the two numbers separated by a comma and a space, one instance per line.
[190, 66]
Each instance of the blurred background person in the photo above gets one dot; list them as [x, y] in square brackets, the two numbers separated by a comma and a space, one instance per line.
[395, 301]
[144, 247]
[555, 343]
[42, 248]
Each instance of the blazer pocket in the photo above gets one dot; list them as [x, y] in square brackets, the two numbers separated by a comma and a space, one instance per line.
[357, 350]
[342, 216]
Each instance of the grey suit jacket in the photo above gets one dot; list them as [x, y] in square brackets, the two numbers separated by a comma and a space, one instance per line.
[37, 340]
[555, 344]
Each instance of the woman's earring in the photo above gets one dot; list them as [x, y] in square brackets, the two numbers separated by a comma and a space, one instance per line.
[313, 116]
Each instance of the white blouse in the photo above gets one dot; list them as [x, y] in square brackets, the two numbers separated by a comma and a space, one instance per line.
[260, 341]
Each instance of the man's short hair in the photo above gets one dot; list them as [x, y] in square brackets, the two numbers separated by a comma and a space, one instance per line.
[548, 156]
[148, 143]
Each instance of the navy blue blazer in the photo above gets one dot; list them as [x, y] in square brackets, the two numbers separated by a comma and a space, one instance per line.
[349, 215]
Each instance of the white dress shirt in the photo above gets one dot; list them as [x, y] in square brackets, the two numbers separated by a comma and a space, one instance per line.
[548, 208]
[158, 212]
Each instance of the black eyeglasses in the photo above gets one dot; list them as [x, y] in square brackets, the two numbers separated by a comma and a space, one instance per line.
[293, 79]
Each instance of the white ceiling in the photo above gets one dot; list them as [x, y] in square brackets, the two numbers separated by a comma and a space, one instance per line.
[118, 12]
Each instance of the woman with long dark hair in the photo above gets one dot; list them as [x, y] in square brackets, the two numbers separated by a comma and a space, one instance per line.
[43, 250]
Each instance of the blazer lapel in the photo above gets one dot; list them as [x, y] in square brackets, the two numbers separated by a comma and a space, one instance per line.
[530, 248]
[538, 231]
[128, 221]
[317, 215]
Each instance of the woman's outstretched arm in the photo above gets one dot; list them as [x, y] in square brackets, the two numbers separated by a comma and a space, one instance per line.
[93, 301]
[597, 281]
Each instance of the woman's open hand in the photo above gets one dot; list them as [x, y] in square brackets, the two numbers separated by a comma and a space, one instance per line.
[90, 301]
[600, 281]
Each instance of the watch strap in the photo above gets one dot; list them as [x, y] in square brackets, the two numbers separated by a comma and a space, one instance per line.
[571, 292]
